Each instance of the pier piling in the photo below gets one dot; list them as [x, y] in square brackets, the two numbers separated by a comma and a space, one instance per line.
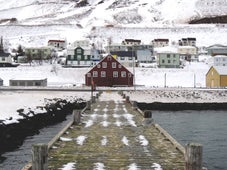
[39, 157]
[193, 156]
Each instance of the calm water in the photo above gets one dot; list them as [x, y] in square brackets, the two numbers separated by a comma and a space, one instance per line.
[16, 160]
[208, 128]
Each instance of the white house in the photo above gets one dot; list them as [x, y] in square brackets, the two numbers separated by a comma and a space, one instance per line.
[6, 59]
[220, 60]
[80, 43]
[168, 57]
[58, 44]
[160, 42]
[82, 57]
[188, 53]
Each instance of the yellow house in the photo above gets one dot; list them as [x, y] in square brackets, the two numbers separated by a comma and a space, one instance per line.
[216, 77]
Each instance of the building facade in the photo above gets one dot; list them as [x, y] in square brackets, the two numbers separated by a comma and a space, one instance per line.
[161, 42]
[217, 50]
[82, 57]
[188, 53]
[109, 72]
[39, 53]
[58, 44]
[220, 60]
[187, 42]
[168, 60]
[28, 82]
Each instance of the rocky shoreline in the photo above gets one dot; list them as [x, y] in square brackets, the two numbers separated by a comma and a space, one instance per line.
[12, 135]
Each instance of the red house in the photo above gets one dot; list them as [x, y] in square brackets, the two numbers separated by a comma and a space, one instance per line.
[109, 72]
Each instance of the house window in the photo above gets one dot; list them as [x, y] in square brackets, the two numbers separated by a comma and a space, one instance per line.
[129, 75]
[114, 64]
[122, 58]
[104, 65]
[163, 61]
[168, 55]
[109, 58]
[130, 58]
[78, 57]
[123, 74]
[79, 50]
[3, 59]
[119, 66]
[115, 74]
[169, 61]
[103, 74]
[98, 66]
[95, 74]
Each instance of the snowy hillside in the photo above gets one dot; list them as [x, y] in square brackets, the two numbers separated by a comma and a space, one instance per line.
[104, 12]
[33, 22]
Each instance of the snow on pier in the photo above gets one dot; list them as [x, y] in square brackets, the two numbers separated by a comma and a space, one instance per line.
[111, 136]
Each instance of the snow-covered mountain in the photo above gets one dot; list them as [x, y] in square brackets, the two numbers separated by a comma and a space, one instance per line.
[33, 22]
[85, 13]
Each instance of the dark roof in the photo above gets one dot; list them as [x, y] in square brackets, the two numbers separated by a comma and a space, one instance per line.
[3, 54]
[132, 40]
[56, 41]
[123, 53]
[161, 39]
[193, 39]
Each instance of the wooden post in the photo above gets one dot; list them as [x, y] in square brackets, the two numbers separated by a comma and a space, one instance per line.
[147, 120]
[77, 116]
[127, 99]
[134, 105]
[88, 105]
[39, 157]
[193, 156]
[93, 99]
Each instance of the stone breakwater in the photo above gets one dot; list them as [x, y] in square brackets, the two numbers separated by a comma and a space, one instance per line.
[12, 135]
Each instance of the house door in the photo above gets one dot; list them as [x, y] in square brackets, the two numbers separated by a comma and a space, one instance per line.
[212, 83]
[110, 82]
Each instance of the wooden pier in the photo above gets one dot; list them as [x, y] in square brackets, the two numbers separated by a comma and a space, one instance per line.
[114, 134]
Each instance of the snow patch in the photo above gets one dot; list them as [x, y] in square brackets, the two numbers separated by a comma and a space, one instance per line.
[104, 141]
[89, 123]
[65, 139]
[143, 141]
[133, 166]
[129, 118]
[69, 166]
[80, 139]
[118, 123]
[99, 166]
[125, 140]
[156, 166]
[105, 123]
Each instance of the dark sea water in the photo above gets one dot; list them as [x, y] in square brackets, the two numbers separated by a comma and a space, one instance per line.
[208, 128]
[16, 159]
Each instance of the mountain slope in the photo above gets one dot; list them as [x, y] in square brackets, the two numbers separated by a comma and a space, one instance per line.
[105, 12]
